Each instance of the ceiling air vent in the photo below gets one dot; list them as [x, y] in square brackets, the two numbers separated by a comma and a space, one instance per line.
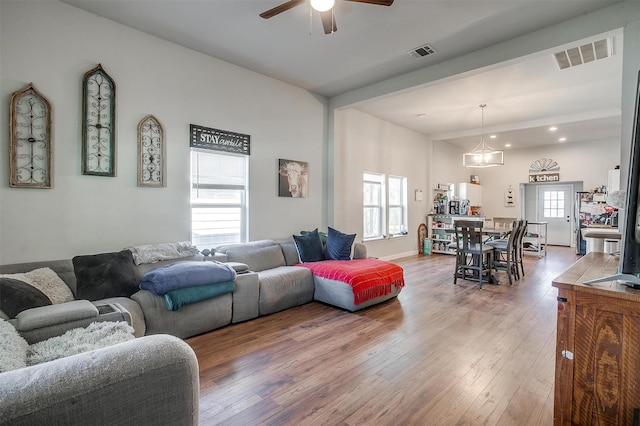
[586, 53]
[422, 51]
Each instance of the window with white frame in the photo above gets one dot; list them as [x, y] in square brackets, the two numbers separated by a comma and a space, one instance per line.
[373, 206]
[384, 205]
[397, 189]
[553, 204]
[218, 198]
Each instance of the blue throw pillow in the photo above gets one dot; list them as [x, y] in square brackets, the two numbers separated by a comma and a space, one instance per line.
[309, 246]
[339, 245]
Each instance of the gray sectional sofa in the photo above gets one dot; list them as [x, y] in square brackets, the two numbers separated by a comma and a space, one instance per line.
[267, 281]
[138, 380]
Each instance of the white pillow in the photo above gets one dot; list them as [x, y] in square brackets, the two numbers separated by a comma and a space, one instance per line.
[13, 348]
[48, 282]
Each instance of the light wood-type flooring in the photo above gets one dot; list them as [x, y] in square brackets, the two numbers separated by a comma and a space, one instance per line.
[439, 354]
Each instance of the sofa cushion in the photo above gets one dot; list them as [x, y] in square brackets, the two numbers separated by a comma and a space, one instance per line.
[13, 348]
[258, 259]
[47, 281]
[284, 287]
[289, 250]
[338, 245]
[99, 276]
[60, 313]
[17, 296]
[309, 247]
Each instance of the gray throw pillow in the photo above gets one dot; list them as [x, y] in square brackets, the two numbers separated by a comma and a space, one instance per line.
[17, 296]
[104, 275]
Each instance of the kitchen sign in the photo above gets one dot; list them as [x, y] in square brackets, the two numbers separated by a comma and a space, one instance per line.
[219, 140]
[544, 178]
[544, 171]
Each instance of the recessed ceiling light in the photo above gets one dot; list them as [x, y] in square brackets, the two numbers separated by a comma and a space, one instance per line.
[553, 128]
[493, 136]
[562, 139]
[507, 145]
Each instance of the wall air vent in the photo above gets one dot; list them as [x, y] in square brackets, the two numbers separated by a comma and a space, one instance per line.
[422, 51]
[586, 53]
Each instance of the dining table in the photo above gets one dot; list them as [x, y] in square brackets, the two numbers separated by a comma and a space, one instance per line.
[495, 233]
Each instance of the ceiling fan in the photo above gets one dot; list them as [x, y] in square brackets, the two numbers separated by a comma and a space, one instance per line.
[324, 7]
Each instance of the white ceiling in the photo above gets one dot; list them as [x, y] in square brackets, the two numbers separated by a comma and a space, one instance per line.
[523, 99]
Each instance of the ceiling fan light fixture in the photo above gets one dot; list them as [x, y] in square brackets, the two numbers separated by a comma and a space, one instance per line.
[322, 5]
[483, 155]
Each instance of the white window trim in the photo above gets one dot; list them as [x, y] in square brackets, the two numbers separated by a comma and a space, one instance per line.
[404, 206]
[385, 206]
[380, 181]
[244, 203]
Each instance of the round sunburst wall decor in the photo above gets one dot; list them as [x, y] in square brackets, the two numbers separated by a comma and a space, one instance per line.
[544, 165]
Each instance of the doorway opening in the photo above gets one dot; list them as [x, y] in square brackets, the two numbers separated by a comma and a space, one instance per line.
[553, 203]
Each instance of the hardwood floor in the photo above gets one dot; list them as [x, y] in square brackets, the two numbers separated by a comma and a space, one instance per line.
[439, 354]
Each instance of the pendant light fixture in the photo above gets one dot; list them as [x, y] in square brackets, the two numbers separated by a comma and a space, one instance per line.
[483, 155]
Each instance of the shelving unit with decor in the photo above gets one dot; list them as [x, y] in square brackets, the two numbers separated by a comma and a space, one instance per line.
[536, 237]
[441, 196]
[441, 232]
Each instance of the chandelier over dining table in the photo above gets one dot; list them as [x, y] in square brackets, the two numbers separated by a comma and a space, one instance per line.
[483, 155]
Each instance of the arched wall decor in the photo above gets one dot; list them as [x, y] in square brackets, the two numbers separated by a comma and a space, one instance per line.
[31, 142]
[152, 161]
[98, 123]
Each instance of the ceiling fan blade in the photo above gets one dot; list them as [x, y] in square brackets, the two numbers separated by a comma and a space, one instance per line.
[281, 8]
[376, 2]
[328, 22]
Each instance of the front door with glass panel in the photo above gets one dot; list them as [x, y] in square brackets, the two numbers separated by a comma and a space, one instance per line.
[554, 207]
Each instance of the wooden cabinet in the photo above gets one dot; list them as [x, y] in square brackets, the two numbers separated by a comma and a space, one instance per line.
[597, 378]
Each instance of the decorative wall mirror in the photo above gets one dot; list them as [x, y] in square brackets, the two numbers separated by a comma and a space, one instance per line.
[151, 153]
[30, 143]
[98, 123]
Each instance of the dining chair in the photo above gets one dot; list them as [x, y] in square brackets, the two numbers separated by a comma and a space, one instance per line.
[474, 259]
[504, 252]
[519, 245]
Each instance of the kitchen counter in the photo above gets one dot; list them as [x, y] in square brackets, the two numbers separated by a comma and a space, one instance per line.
[597, 235]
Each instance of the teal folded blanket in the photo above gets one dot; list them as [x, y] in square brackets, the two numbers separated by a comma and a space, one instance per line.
[175, 299]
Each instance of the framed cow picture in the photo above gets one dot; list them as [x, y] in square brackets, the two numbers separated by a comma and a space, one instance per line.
[293, 178]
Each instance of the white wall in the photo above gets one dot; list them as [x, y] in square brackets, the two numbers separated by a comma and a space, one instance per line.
[52, 45]
[588, 162]
[365, 143]
[447, 167]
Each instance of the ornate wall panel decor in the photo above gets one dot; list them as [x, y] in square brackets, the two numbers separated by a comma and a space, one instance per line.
[152, 159]
[31, 144]
[98, 123]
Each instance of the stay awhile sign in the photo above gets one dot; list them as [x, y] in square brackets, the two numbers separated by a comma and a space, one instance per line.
[219, 140]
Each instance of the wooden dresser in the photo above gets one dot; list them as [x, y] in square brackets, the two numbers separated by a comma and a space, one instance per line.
[597, 378]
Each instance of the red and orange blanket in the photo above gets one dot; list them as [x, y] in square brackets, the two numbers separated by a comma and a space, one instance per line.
[369, 278]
